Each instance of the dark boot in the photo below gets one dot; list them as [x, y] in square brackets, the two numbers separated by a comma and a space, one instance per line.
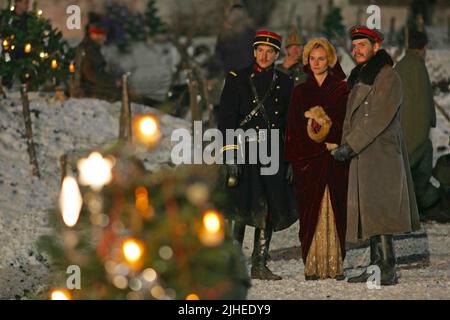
[239, 233]
[268, 234]
[259, 268]
[375, 259]
[388, 274]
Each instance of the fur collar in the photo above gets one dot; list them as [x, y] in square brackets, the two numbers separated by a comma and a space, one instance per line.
[366, 73]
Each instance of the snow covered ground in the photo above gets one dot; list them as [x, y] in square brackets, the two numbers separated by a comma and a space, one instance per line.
[59, 128]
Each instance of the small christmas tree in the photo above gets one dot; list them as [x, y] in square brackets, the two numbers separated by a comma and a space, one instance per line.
[153, 22]
[34, 53]
[332, 24]
[143, 235]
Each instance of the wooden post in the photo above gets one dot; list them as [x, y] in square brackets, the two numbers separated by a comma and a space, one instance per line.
[29, 129]
[125, 133]
[209, 106]
[63, 166]
[193, 93]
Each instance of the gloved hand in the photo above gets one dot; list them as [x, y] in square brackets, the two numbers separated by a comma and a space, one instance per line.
[289, 173]
[343, 153]
[233, 172]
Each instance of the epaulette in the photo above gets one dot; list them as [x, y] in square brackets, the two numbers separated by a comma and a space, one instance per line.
[234, 74]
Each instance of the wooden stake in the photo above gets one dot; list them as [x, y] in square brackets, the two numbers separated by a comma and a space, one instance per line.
[193, 93]
[29, 129]
[125, 133]
[63, 166]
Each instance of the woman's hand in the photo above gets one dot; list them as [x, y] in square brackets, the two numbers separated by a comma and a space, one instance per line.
[331, 146]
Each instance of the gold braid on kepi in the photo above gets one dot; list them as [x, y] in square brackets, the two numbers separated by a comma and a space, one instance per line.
[319, 124]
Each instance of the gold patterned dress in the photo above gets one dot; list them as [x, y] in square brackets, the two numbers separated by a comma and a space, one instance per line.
[324, 257]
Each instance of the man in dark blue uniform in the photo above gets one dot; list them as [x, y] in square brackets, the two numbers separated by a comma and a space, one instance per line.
[257, 97]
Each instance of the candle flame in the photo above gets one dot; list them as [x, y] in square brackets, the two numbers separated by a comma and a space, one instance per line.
[70, 201]
[211, 221]
[132, 250]
[212, 233]
[60, 295]
[95, 171]
[27, 48]
[147, 129]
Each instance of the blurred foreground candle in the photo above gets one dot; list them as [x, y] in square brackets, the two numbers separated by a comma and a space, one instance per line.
[27, 48]
[212, 231]
[70, 201]
[147, 129]
[132, 250]
[95, 171]
[60, 294]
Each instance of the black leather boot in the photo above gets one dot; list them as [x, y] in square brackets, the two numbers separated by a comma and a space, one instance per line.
[375, 259]
[268, 234]
[259, 268]
[388, 273]
[239, 233]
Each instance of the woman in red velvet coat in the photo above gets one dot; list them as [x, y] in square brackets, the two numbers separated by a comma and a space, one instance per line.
[314, 128]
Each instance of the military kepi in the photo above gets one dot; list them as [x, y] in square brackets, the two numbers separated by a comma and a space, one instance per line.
[268, 38]
[363, 32]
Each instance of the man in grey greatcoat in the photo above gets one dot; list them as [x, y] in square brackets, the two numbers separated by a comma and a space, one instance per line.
[381, 199]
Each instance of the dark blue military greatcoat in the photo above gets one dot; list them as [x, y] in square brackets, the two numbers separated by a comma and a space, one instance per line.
[258, 199]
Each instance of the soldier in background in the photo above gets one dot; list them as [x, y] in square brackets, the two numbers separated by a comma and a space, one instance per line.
[292, 64]
[91, 78]
[418, 116]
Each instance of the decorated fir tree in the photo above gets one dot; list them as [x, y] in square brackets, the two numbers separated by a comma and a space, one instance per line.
[153, 22]
[332, 25]
[135, 234]
[32, 51]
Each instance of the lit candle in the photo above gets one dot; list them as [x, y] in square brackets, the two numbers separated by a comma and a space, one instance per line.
[132, 250]
[72, 68]
[95, 171]
[54, 64]
[27, 48]
[70, 201]
[5, 43]
[212, 233]
[192, 296]
[147, 129]
[60, 295]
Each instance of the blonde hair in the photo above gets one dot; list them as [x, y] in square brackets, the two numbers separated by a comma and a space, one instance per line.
[320, 43]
